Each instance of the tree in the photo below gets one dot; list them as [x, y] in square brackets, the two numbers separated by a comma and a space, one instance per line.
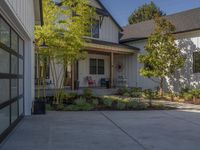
[163, 56]
[145, 12]
[62, 33]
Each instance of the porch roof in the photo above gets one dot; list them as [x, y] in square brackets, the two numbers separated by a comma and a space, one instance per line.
[105, 46]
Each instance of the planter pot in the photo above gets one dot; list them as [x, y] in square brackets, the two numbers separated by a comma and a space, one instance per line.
[39, 107]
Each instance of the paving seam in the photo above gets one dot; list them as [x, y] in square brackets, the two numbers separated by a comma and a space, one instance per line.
[180, 118]
[124, 131]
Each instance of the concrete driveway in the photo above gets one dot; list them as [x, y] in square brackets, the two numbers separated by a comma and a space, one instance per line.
[134, 130]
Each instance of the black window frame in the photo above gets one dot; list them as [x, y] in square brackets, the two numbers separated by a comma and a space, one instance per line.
[10, 76]
[95, 68]
[196, 64]
[95, 27]
[101, 66]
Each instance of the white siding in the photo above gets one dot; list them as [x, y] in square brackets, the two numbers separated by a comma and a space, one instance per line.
[143, 82]
[84, 69]
[189, 43]
[129, 69]
[20, 16]
[109, 31]
[24, 11]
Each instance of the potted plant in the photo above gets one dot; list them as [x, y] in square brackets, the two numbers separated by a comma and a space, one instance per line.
[39, 105]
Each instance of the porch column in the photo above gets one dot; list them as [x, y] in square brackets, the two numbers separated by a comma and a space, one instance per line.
[112, 69]
[74, 69]
[72, 76]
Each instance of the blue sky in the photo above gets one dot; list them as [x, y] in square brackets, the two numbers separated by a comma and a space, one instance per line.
[121, 9]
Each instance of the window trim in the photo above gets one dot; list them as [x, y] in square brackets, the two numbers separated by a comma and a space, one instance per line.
[97, 66]
[194, 62]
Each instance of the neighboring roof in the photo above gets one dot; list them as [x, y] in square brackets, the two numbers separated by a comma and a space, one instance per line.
[112, 44]
[101, 4]
[38, 12]
[184, 22]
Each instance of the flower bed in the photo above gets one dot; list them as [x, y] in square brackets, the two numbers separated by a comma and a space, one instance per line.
[88, 102]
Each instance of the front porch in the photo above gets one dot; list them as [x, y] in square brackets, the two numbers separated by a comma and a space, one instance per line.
[106, 61]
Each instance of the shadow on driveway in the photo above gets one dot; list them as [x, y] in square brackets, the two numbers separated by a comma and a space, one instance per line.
[108, 130]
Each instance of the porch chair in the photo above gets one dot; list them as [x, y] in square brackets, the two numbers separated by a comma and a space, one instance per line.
[91, 82]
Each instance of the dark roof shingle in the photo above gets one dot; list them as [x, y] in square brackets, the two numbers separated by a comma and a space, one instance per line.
[183, 21]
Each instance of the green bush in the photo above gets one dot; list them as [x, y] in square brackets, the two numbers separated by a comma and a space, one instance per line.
[136, 92]
[107, 102]
[87, 93]
[80, 101]
[122, 91]
[60, 107]
[80, 107]
[71, 96]
[121, 105]
[150, 94]
[195, 93]
[136, 105]
[191, 94]
[127, 94]
[95, 102]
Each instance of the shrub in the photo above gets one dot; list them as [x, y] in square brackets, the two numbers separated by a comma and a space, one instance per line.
[121, 105]
[95, 102]
[195, 93]
[80, 101]
[122, 91]
[87, 93]
[187, 96]
[80, 107]
[71, 96]
[151, 94]
[107, 102]
[136, 105]
[60, 107]
[127, 94]
[136, 92]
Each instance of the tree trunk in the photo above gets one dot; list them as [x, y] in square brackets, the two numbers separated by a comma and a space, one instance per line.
[161, 87]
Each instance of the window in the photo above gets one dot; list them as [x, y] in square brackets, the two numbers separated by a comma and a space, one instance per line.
[14, 65]
[14, 88]
[14, 41]
[11, 77]
[95, 29]
[96, 66]
[196, 62]
[93, 66]
[4, 118]
[21, 47]
[4, 33]
[4, 61]
[100, 66]
[4, 90]
[14, 111]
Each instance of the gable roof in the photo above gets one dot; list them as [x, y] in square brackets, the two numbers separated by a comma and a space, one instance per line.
[184, 22]
[101, 4]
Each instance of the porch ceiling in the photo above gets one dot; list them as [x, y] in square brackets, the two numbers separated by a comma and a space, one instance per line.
[103, 46]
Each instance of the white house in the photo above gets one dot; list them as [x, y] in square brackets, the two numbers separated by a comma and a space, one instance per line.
[187, 32]
[17, 20]
[113, 52]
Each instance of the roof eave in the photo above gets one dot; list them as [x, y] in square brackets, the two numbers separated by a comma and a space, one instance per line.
[101, 4]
